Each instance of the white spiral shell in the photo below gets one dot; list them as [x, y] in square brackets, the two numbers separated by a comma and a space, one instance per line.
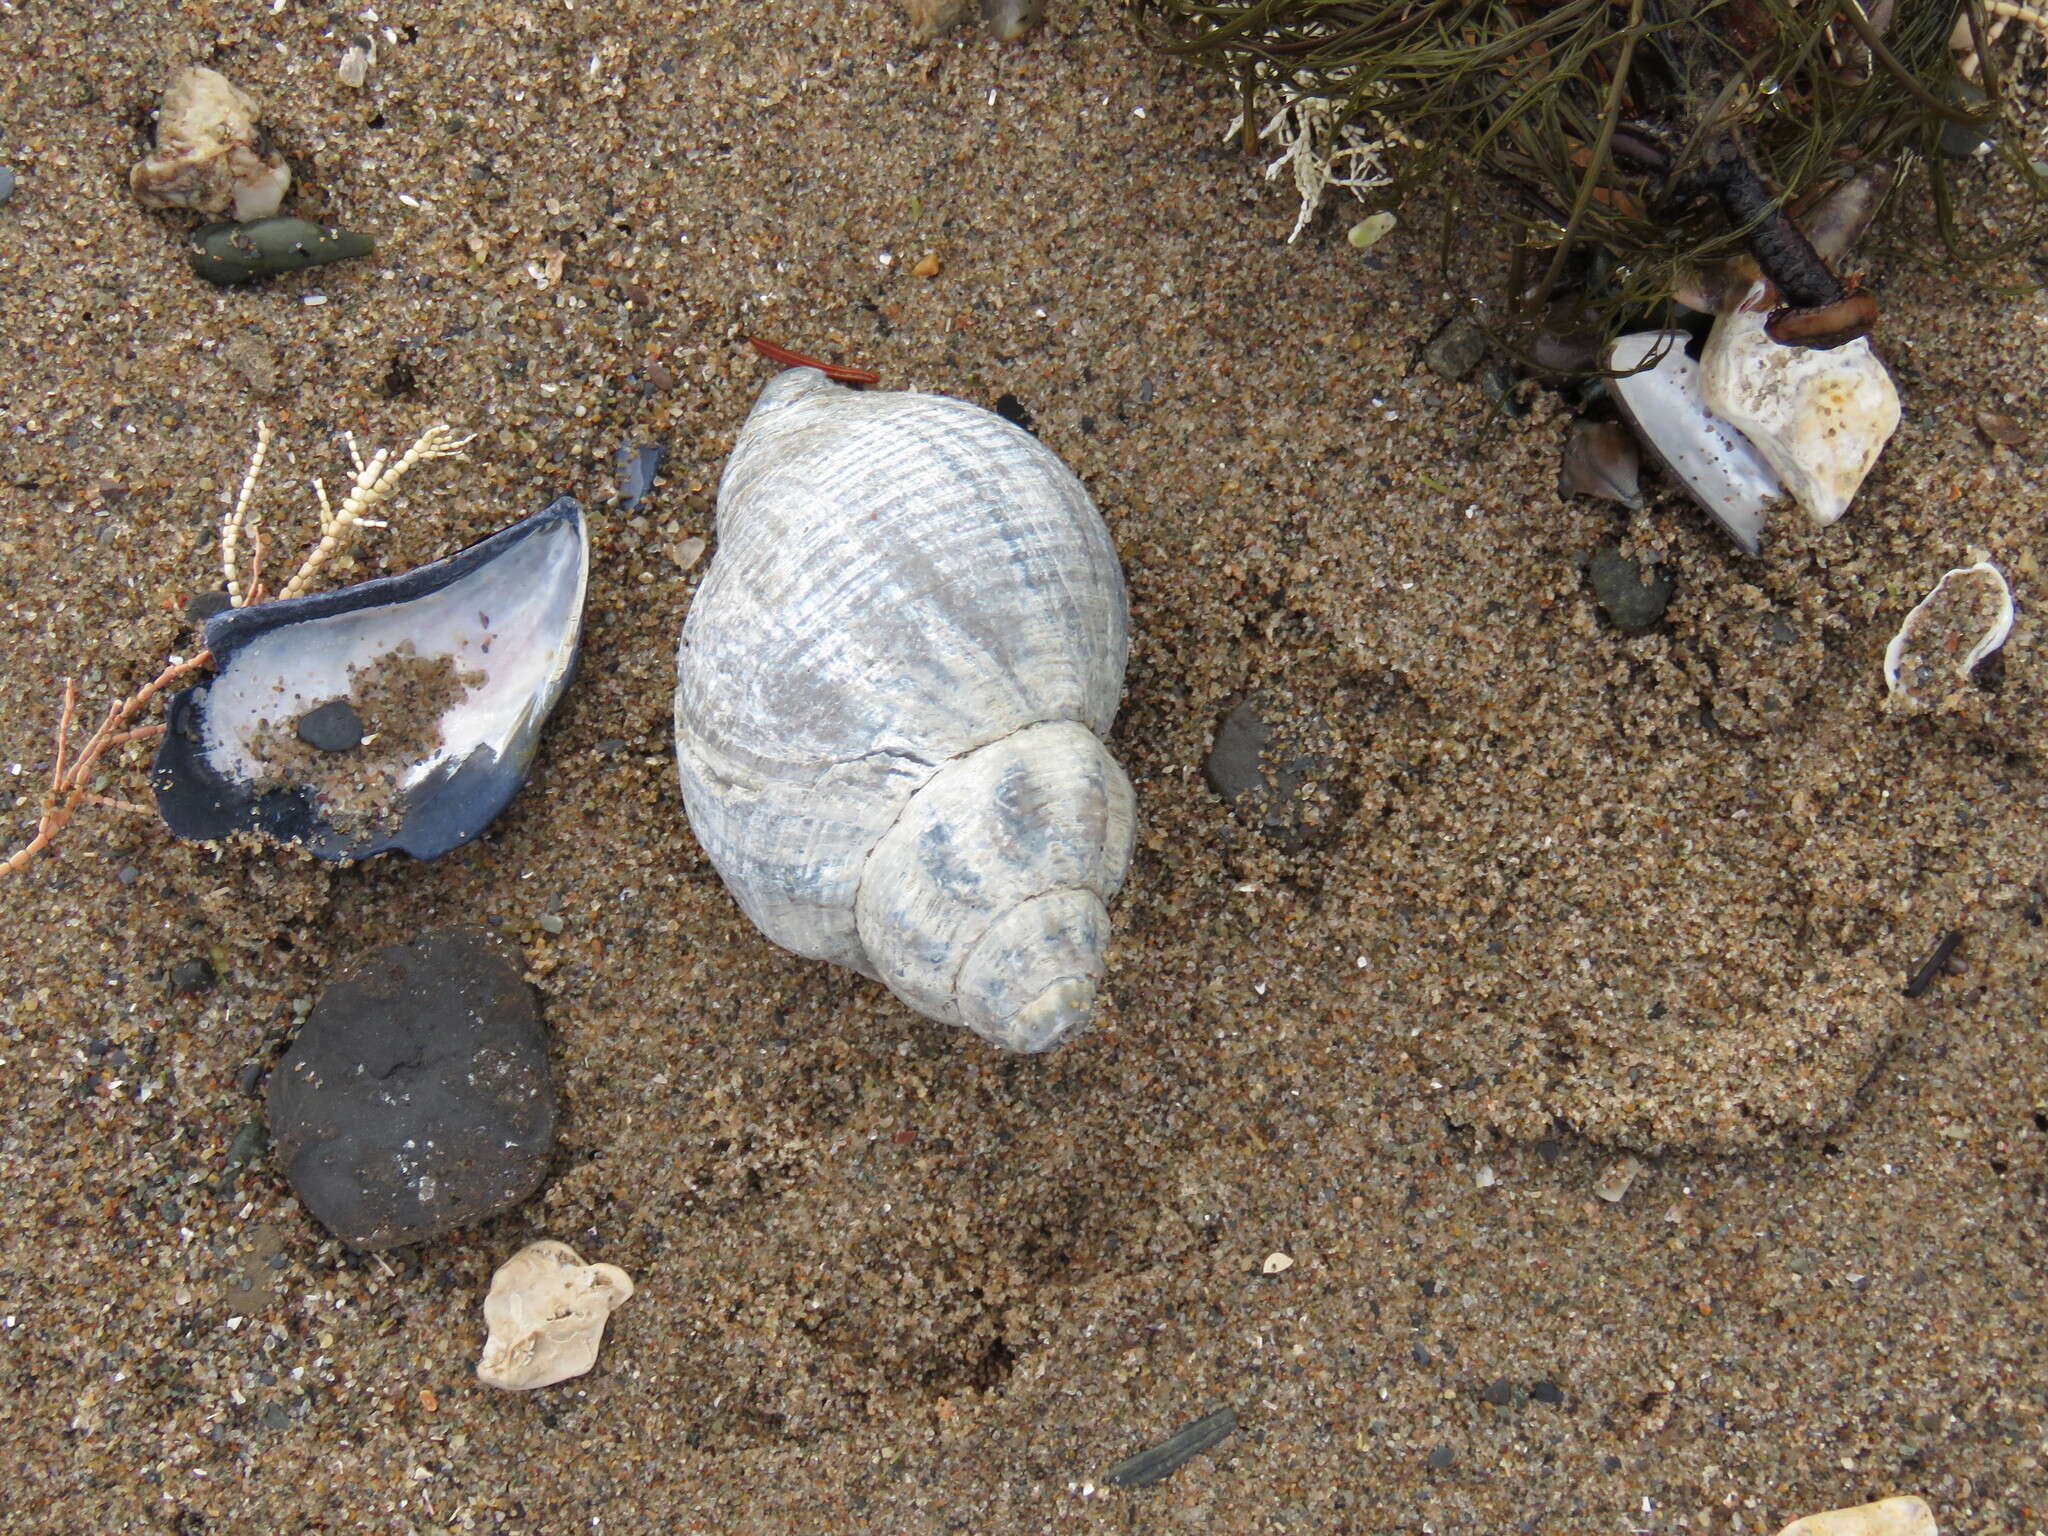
[891, 695]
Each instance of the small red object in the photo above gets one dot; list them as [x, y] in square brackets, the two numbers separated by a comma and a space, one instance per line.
[837, 372]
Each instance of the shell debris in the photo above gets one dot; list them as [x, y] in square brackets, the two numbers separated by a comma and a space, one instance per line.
[1964, 619]
[546, 1313]
[211, 153]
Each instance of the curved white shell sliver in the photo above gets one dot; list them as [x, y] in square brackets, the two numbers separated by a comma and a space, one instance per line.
[900, 580]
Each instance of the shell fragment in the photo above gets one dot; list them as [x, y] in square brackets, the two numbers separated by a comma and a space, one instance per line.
[1964, 619]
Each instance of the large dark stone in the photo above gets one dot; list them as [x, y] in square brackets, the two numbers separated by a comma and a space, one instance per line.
[417, 1097]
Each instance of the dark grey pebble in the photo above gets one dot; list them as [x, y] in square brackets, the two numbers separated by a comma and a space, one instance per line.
[6, 183]
[1500, 1392]
[1497, 381]
[1546, 1392]
[1163, 1460]
[193, 975]
[240, 253]
[637, 467]
[611, 746]
[417, 1097]
[1630, 602]
[1441, 1458]
[1457, 349]
[274, 1417]
[1267, 772]
[202, 606]
[248, 1144]
[248, 1078]
[1011, 409]
[1423, 1356]
[333, 727]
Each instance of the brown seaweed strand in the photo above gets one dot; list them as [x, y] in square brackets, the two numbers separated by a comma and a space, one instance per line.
[1598, 161]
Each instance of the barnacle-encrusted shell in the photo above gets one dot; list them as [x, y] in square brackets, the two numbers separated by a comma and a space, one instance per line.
[210, 153]
[892, 691]
[1820, 417]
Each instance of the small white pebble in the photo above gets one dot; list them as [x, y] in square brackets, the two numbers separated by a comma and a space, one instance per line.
[1277, 1263]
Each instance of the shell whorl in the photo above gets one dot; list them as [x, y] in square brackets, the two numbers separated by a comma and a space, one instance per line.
[986, 903]
[908, 592]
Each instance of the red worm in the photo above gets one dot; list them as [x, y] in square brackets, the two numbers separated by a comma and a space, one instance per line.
[837, 372]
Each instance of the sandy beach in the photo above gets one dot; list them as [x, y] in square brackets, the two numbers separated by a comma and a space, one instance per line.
[1552, 896]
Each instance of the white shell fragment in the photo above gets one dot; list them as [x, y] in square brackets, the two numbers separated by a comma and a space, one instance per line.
[1887, 1517]
[1965, 618]
[546, 1313]
[1820, 418]
[1719, 468]
[892, 691]
[210, 153]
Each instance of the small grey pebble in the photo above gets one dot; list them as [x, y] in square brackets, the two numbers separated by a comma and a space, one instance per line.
[192, 975]
[275, 1417]
[128, 874]
[333, 727]
[248, 1144]
[551, 922]
[1147, 393]
[611, 746]
[1500, 1392]
[1630, 602]
[1547, 1392]
[6, 183]
[249, 1078]
[1441, 1458]
[204, 605]
[1423, 1356]
[1457, 349]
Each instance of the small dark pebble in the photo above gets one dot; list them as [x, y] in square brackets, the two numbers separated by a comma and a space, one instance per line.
[1500, 1392]
[6, 183]
[637, 467]
[1630, 602]
[1148, 1467]
[1610, 1464]
[611, 746]
[97, 1047]
[1497, 381]
[202, 606]
[248, 1144]
[1441, 1458]
[1011, 409]
[1457, 349]
[1147, 392]
[240, 253]
[274, 1417]
[1546, 1392]
[399, 379]
[1923, 978]
[333, 727]
[193, 975]
[249, 1078]
[1423, 1356]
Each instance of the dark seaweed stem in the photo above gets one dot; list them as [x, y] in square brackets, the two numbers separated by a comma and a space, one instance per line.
[1820, 310]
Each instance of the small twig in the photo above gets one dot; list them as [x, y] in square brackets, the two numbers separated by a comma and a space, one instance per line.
[839, 373]
[1931, 967]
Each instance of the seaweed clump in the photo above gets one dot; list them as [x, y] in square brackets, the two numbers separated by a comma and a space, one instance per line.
[1647, 142]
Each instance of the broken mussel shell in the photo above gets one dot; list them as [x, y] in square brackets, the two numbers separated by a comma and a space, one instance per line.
[228, 254]
[399, 713]
[1964, 619]
[1659, 392]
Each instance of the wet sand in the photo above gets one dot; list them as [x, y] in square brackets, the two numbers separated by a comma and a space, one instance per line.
[1563, 895]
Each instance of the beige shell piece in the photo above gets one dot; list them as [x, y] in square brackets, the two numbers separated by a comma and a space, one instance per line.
[1887, 1517]
[211, 154]
[1965, 618]
[546, 1313]
[1819, 418]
